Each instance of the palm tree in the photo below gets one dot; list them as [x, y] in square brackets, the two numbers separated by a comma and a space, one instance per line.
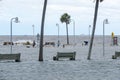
[94, 26]
[101, 0]
[65, 18]
[42, 32]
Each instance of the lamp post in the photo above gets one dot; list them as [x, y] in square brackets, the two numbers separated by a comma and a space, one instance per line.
[38, 38]
[58, 35]
[105, 21]
[89, 31]
[16, 21]
[33, 30]
[74, 30]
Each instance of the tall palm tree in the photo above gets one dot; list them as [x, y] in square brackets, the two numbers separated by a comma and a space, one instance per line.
[42, 32]
[65, 18]
[94, 26]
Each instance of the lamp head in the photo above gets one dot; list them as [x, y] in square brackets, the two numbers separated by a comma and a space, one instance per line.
[57, 24]
[99, 0]
[16, 20]
[106, 21]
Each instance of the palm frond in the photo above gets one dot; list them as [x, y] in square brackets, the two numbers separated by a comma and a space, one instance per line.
[100, 0]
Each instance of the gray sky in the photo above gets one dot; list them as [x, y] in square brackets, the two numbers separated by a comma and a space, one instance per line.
[81, 11]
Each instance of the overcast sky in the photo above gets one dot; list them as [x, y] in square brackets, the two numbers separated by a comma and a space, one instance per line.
[29, 13]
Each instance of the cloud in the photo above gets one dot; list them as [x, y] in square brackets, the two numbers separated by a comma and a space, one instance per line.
[30, 11]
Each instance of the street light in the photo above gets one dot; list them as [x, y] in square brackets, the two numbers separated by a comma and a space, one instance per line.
[74, 30]
[16, 21]
[58, 35]
[89, 31]
[33, 30]
[105, 21]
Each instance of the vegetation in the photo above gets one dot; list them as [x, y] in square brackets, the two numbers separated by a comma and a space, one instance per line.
[65, 18]
[27, 43]
[42, 31]
[94, 26]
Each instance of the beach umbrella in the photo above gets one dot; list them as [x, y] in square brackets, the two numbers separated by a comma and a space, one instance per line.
[94, 26]
[42, 32]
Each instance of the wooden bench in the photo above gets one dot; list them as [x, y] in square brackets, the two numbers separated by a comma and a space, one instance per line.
[8, 43]
[70, 55]
[15, 57]
[117, 54]
[49, 44]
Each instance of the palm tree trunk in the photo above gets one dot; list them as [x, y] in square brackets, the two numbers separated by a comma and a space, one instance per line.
[67, 33]
[93, 31]
[42, 32]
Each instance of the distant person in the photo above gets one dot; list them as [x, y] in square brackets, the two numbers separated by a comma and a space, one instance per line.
[34, 43]
[63, 46]
[86, 42]
[58, 44]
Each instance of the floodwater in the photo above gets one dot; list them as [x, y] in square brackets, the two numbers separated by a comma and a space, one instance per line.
[98, 68]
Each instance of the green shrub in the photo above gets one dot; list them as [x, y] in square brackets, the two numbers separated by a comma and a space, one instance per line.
[27, 43]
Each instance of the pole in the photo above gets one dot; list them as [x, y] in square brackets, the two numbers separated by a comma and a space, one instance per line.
[11, 35]
[58, 31]
[89, 31]
[104, 22]
[103, 38]
[93, 31]
[74, 31]
[33, 30]
[42, 32]
[58, 34]
[11, 43]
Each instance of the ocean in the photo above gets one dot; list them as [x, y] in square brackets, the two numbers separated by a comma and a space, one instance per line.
[98, 68]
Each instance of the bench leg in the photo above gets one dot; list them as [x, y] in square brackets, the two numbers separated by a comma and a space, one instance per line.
[114, 57]
[54, 57]
[57, 58]
[17, 60]
[72, 58]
